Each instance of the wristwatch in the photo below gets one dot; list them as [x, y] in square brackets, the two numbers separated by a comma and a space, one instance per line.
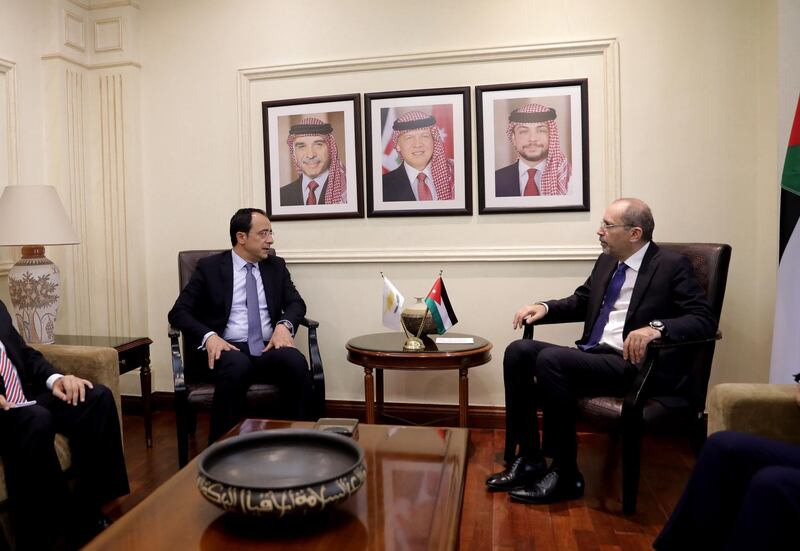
[658, 326]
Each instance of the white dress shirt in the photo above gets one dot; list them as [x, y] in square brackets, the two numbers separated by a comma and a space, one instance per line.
[412, 177]
[612, 333]
[320, 180]
[236, 330]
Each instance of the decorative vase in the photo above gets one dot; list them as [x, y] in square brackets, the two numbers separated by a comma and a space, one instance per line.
[413, 315]
[34, 287]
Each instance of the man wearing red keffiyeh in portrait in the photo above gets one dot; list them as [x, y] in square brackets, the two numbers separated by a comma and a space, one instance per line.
[322, 180]
[541, 168]
[426, 174]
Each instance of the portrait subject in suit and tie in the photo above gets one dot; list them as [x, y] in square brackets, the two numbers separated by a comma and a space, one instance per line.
[239, 312]
[425, 173]
[635, 293]
[321, 176]
[541, 167]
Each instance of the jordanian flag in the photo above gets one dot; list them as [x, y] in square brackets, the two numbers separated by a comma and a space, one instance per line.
[440, 308]
[785, 341]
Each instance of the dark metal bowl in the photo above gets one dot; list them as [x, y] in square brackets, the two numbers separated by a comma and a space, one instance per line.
[281, 472]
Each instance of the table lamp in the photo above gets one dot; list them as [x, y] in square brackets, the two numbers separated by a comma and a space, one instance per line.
[32, 217]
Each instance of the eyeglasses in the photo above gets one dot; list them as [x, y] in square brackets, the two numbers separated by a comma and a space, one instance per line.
[263, 234]
[606, 227]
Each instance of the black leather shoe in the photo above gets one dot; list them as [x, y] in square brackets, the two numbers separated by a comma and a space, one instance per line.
[521, 472]
[554, 486]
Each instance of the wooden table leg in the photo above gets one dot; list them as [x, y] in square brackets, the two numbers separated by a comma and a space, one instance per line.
[369, 395]
[379, 392]
[463, 397]
[145, 380]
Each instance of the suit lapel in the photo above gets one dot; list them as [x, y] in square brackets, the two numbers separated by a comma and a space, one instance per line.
[322, 193]
[646, 272]
[226, 273]
[596, 297]
[265, 267]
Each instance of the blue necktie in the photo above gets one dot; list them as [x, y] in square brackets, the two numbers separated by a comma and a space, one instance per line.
[611, 296]
[255, 338]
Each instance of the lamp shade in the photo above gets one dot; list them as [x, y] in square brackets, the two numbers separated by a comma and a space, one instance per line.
[34, 215]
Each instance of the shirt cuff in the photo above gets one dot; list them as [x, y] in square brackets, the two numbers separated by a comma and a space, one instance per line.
[205, 338]
[51, 380]
[546, 307]
[288, 325]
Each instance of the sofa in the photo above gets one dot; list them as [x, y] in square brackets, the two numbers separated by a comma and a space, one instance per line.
[768, 410]
[98, 365]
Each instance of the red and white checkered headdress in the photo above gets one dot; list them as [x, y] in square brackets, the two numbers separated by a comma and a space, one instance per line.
[336, 192]
[556, 175]
[441, 167]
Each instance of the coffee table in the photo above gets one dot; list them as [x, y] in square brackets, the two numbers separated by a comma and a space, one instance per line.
[380, 351]
[411, 500]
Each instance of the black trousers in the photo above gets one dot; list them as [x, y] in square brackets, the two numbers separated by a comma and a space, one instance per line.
[744, 494]
[235, 371]
[539, 374]
[40, 505]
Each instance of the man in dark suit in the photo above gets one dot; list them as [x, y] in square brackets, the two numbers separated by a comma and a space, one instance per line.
[36, 402]
[425, 173]
[635, 293]
[541, 167]
[242, 321]
[322, 180]
[744, 493]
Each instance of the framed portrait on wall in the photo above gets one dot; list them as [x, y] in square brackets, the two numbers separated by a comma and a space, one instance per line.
[418, 152]
[533, 147]
[312, 158]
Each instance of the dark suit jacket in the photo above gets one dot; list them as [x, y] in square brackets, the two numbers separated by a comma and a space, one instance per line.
[506, 181]
[292, 194]
[396, 186]
[32, 368]
[205, 303]
[665, 290]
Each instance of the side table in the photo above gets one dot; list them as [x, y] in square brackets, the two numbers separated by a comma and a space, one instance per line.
[134, 353]
[380, 351]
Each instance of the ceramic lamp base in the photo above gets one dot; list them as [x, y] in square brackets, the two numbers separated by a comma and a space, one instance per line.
[34, 283]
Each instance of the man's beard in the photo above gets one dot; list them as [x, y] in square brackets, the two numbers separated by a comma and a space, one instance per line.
[534, 158]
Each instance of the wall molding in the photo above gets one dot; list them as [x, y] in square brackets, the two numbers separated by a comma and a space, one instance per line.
[91, 66]
[102, 5]
[607, 48]
[74, 24]
[492, 254]
[114, 25]
[8, 136]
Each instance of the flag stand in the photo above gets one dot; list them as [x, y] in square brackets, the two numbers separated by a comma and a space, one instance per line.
[414, 344]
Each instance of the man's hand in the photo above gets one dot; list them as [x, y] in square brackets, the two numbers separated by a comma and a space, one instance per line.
[71, 389]
[215, 345]
[5, 405]
[529, 314]
[281, 338]
[635, 345]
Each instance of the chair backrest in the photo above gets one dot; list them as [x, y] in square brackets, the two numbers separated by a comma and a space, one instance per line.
[187, 262]
[710, 262]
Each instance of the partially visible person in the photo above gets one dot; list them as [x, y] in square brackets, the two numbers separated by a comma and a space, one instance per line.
[322, 179]
[36, 402]
[239, 312]
[425, 173]
[744, 494]
[541, 167]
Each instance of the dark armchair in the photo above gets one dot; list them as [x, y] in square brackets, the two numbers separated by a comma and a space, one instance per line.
[639, 410]
[192, 391]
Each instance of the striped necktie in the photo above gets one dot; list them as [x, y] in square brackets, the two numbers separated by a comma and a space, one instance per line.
[8, 372]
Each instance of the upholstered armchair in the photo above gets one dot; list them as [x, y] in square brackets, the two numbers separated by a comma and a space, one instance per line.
[99, 365]
[193, 392]
[639, 411]
[762, 409]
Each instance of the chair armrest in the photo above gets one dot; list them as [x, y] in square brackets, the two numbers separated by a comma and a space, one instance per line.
[315, 362]
[97, 364]
[178, 379]
[767, 410]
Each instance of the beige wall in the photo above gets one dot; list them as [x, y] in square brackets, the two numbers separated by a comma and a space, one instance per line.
[683, 113]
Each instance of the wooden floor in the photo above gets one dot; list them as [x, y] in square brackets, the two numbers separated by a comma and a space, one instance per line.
[489, 520]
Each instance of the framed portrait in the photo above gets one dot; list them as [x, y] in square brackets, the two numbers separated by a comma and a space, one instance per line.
[533, 147]
[418, 152]
[312, 158]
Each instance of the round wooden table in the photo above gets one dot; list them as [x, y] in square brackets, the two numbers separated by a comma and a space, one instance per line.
[380, 351]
